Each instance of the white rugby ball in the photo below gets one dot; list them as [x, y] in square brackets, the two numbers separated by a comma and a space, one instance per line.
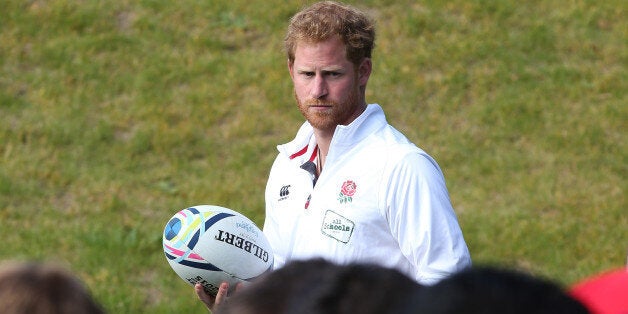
[213, 244]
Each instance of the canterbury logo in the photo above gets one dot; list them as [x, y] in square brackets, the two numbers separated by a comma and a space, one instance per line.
[283, 192]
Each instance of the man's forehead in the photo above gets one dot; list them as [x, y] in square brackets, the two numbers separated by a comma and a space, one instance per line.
[329, 52]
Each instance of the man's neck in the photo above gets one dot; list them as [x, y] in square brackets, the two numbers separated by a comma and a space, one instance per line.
[324, 136]
[323, 140]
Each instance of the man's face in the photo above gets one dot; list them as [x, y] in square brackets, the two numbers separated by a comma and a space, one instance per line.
[327, 86]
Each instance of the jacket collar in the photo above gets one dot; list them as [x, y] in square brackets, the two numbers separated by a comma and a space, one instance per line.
[303, 145]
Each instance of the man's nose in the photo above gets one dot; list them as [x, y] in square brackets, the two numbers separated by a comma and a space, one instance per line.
[319, 87]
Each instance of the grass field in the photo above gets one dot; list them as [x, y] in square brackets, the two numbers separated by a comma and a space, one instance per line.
[116, 114]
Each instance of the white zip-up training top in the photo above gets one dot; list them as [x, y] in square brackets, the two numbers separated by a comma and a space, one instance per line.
[380, 199]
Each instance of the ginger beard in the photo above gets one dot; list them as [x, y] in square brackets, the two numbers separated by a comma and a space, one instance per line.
[340, 113]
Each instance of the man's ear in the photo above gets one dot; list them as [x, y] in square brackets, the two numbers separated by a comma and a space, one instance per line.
[364, 71]
[291, 68]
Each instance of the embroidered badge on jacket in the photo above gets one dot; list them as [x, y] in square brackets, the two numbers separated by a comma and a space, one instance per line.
[284, 192]
[347, 191]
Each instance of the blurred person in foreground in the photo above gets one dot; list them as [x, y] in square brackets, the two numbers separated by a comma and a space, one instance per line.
[41, 288]
[319, 287]
[604, 293]
[350, 187]
[494, 290]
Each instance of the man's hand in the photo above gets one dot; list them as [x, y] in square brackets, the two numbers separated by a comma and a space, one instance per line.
[212, 302]
[221, 296]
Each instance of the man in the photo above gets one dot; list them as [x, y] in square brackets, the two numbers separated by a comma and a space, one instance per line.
[317, 286]
[350, 187]
[491, 289]
[604, 292]
[37, 287]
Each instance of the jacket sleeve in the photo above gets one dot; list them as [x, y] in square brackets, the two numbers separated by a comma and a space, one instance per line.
[422, 219]
[271, 225]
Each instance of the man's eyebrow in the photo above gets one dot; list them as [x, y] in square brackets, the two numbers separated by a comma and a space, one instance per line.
[333, 69]
[324, 69]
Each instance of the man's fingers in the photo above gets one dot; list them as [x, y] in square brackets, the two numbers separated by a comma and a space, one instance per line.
[203, 296]
[221, 296]
[212, 302]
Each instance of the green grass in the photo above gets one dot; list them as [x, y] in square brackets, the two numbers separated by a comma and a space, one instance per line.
[116, 114]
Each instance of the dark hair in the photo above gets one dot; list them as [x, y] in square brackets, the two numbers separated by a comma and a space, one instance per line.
[31, 287]
[318, 286]
[494, 290]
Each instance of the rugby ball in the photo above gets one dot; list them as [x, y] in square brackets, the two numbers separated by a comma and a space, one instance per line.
[213, 244]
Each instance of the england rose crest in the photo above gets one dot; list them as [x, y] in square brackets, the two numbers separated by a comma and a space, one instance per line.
[347, 191]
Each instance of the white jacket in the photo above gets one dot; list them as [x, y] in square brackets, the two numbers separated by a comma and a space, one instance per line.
[380, 199]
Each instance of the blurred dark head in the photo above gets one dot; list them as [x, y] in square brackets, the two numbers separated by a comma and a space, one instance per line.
[317, 287]
[493, 290]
